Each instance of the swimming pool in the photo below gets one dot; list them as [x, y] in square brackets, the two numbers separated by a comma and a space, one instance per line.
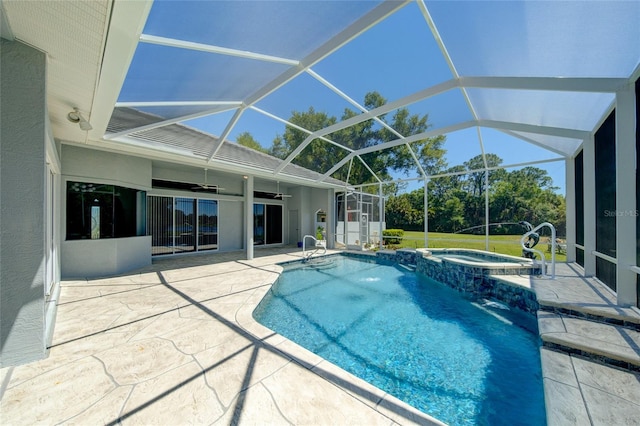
[459, 360]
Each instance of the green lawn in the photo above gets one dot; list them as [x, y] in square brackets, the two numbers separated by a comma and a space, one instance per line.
[504, 244]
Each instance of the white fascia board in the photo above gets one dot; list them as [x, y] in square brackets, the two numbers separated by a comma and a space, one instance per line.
[597, 85]
[125, 26]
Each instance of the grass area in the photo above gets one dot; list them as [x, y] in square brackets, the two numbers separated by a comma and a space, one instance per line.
[504, 244]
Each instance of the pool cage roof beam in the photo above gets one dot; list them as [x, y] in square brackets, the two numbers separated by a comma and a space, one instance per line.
[376, 15]
[379, 13]
[439, 175]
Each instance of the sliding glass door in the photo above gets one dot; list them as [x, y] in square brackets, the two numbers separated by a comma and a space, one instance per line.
[181, 224]
[267, 224]
[207, 225]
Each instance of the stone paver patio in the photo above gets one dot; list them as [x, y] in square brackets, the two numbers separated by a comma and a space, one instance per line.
[176, 344]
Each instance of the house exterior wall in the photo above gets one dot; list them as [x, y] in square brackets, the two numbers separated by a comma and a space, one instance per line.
[94, 258]
[22, 203]
[230, 225]
[307, 201]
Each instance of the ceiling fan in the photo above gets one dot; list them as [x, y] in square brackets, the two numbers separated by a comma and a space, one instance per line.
[280, 194]
[205, 185]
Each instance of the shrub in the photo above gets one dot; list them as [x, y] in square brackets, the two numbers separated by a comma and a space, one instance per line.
[392, 236]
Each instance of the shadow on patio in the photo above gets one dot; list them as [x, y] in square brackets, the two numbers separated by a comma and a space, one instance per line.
[176, 343]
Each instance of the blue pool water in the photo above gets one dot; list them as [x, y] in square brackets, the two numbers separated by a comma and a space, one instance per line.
[462, 361]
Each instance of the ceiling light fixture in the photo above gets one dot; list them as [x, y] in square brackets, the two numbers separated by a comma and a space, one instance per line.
[75, 117]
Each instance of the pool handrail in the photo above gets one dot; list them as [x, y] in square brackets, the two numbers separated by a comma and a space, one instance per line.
[318, 244]
[553, 248]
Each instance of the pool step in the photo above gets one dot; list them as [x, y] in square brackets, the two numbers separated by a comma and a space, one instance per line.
[611, 344]
[605, 314]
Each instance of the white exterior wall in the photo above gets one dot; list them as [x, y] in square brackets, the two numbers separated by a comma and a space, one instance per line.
[23, 115]
[230, 225]
[95, 258]
[353, 233]
[308, 201]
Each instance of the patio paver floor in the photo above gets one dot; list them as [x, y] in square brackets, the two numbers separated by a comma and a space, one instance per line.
[175, 343]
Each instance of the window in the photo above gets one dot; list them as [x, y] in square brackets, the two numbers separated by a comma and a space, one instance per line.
[267, 224]
[182, 224]
[96, 211]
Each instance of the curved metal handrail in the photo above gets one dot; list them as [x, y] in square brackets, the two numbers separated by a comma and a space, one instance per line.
[553, 248]
[318, 244]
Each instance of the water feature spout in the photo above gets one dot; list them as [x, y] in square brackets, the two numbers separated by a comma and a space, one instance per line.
[531, 241]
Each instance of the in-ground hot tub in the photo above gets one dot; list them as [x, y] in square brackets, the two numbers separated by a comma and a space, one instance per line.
[475, 271]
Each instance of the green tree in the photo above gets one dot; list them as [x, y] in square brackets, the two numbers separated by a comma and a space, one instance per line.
[246, 139]
[458, 201]
[321, 156]
[399, 213]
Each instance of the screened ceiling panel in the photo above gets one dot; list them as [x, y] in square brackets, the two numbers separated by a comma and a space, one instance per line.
[461, 146]
[444, 109]
[178, 138]
[287, 29]
[320, 156]
[540, 38]
[396, 58]
[568, 110]
[472, 66]
[262, 128]
[566, 146]
[352, 137]
[163, 73]
[176, 111]
[514, 150]
[124, 119]
[213, 124]
[304, 92]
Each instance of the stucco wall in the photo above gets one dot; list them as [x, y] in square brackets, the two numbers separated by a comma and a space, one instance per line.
[94, 258]
[105, 167]
[98, 258]
[22, 203]
[231, 225]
